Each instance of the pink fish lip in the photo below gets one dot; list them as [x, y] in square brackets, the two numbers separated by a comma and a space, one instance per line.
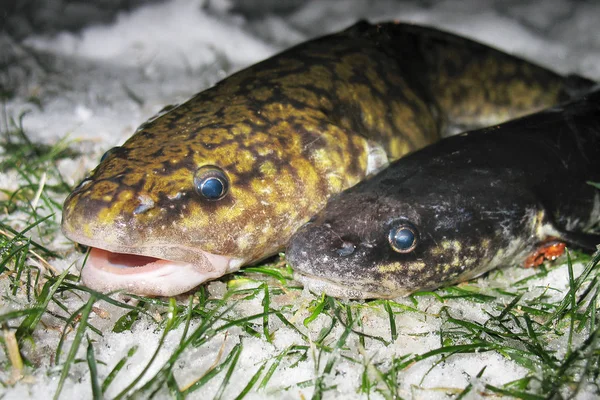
[108, 271]
[154, 266]
[124, 263]
[121, 260]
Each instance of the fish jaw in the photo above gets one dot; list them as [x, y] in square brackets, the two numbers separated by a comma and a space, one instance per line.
[154, 270]
[354, 290]
[105, 272]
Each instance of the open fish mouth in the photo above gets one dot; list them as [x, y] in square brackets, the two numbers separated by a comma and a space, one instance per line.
[107, 271]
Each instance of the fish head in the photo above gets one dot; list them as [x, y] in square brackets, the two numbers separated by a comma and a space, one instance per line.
[384, 239]
[207, 197]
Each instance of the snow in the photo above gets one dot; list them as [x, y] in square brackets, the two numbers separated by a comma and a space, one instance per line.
[164, 53]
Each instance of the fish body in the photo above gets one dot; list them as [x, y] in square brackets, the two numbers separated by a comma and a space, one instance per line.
[460, 207]
[225, 178]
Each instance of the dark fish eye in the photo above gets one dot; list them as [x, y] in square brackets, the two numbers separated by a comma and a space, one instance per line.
[211, 182]
[404, 237]
[109, 152]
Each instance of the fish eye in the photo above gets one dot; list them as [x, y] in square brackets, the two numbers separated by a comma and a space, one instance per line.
[211, 182]
[404, 237]
[109, 152]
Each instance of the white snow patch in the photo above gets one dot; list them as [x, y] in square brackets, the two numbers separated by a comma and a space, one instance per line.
[114, 77]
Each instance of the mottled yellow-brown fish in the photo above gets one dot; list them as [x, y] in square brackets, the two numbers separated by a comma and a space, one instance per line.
[226, 178]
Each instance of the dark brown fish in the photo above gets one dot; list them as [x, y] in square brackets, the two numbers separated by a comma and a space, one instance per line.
[509, 194]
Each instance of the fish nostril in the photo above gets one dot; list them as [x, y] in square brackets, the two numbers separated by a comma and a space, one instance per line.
[346, 249]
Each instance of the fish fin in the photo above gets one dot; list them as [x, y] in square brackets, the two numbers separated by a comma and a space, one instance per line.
[586, 241]
[577, 85]
[550, 230]
[553, 246]
[377, 158]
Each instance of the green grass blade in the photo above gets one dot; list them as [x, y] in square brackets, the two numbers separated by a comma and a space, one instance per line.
[91, 360]
[31, 321]
[79, 333]
[235, 355]
[392, 320]
[251, 383]
[117, 368]
[170, 322]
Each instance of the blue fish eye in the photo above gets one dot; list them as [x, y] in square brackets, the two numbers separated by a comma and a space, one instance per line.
[403, 238]
[212, 188]
[211, 182]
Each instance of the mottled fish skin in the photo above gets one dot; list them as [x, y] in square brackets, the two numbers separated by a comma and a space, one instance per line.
[291, 131]
[474, 201]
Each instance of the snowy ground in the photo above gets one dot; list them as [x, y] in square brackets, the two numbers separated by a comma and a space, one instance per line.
[107, 80]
